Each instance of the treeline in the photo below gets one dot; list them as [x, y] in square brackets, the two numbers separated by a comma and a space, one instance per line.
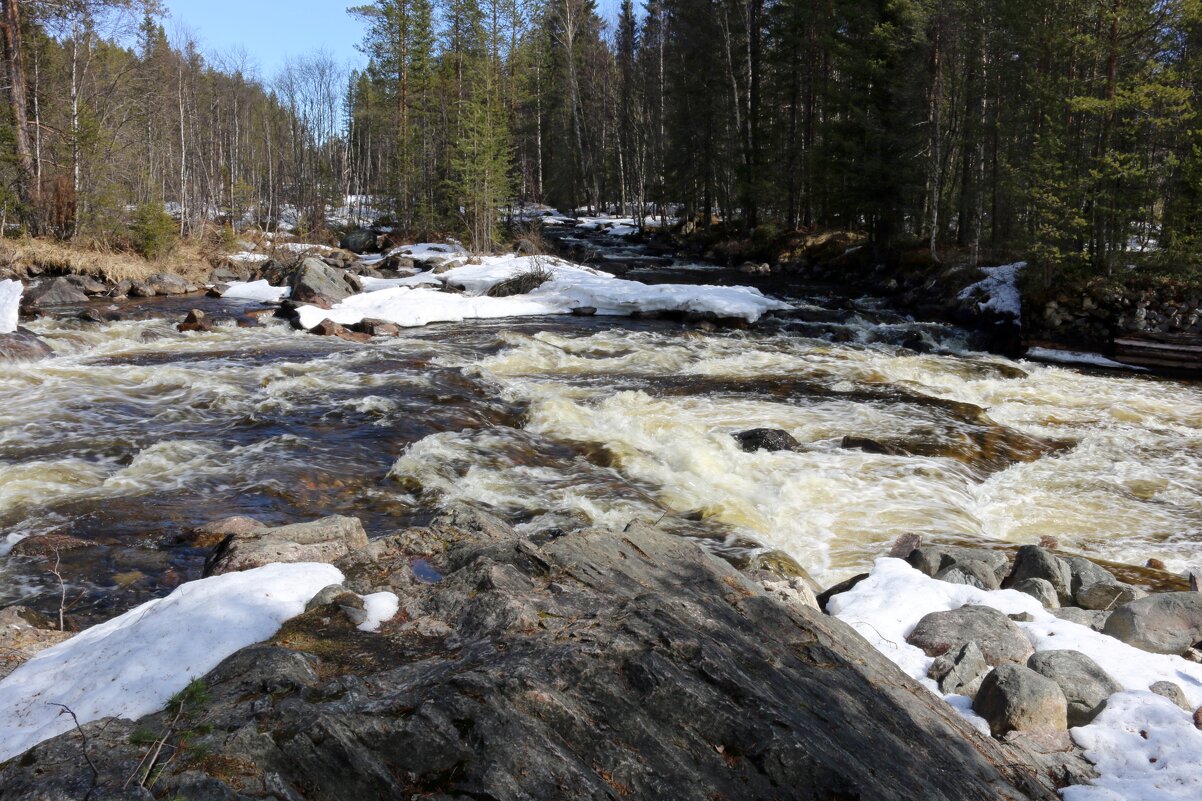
[107, 118]
[1069, 131]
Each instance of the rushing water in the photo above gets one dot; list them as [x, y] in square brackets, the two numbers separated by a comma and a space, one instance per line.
[134, 433]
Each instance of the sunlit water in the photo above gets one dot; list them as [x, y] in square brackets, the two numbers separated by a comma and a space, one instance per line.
[133, 434]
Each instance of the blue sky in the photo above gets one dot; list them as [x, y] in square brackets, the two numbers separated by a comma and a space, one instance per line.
[271, 30]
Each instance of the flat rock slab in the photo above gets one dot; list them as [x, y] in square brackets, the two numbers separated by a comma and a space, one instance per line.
[601, 665]
[325, 540]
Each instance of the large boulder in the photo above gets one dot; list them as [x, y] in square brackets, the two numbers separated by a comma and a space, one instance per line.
[23, 346]
[1016, 698]
[1086, 573]
[1085, 685]
[934, 559]
[1167, 623]
[596, 665]
[55, 292]
[1105, 596]
[317, 282]
[361, 240]
[325, 540]
[999, 639]
[168, 284]
[1031, 561]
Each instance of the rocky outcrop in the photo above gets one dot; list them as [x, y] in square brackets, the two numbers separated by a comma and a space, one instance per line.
[324, 540]
[595, 665]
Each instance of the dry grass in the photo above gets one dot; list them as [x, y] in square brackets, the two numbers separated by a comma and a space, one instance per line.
[190, 261]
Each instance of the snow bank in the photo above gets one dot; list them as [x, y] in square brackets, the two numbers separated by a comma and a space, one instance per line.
[1000, 290]
[256, 290]
[417, 300]
[1077, 357]
[131, 665]
[886, 606]
[10, 304]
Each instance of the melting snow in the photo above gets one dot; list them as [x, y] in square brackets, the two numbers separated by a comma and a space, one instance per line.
[380, 607]
[256, 290]
[1000, 288]
[10, 304]
[886, 607]
[132, 665]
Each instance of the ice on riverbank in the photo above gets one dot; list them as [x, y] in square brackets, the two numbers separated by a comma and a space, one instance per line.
[886, 607]
[998, 291]
[10, 305]
[419, 300]
[132, 665]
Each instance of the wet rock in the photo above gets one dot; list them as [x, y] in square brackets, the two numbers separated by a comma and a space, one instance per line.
[377, 328]
[1107, 595]
[1016, 698]
[1085, 685]
[1095, 620]
[1167, 623]
[329, 328]
[960, 671]
[140, 289]
[751, 268]
[1032, 561]
[361, 240]
[23, 634]
[195, 321]
[23, 346]
[838, 589]
[1156, 564]
[995, 634]
[212, 534]
[86, 284]
[47, 545]
[767, 439]
[325, 540]
[315, 281]
[1039, 589]
[168, 284]
[584, 311]
[601, 665]
[1173, 692]
[91, 316]
[55, 292]
[873, 446]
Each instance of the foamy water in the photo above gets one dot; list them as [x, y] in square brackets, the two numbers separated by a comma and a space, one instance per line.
[135, 433]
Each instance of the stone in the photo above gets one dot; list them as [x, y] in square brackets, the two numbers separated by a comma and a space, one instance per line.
[599, 665]
[1039, 589]
[168, 284]
[971, 572]
[45, 546]
[1016, 698]
[1031, 561]
[1090, 618]
[141, 289]
[932, 559]
[873, 446]
[1085, 685]
[960, 671]
[1106, 596]
[23, 346]
[838, 589]
[1195, 579]
[324, 540]
[23, 634]
[1156, 564]
[334, 594]
[584, 311]
[999, 639]
[377, 328]
[195, 321]
[55, 292]
[766, 439]
[317, 281]
[1084, 573]
[329, 328]
[229, 273]
[210, 535]
[1167, 623]
[360, 240]
[1173, 692]
[86, 284]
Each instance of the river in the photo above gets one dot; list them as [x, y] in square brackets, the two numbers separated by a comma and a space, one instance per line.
[133, 434]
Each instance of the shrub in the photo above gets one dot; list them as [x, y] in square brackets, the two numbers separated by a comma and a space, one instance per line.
[154, 233]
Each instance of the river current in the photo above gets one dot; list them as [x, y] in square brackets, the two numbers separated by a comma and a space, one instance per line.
[133, 434]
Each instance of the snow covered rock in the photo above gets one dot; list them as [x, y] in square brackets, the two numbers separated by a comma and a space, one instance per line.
[260, 290]
[1167, 623]
[995, 634]
[1085, 685]
[1016, 698]
[324, 540]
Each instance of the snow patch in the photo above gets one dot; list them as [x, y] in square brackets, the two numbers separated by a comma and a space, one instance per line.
[256, 290]
[132, 665]
[380, 608]
[885, 608]
[1000, 290]
[1078, 357]
[10, 304]
[249, 258]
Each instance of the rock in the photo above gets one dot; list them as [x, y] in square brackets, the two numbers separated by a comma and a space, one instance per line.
[229, 273]
[1095, 620]
[1039, 589]
[999, 639]
[1167, 623]
[839, 589]
[329, 328]
[751, 268]
[140, 289]
[599, 665]
[333, 594]
[521, 284]
[317, 281]
[168, 284]
[1016, 698]
[960, 671]
[1156, 564]
[377, 328]
[932, 559]
[361, 240]
[23, 346]
[767, 439]
[90, 316]
[1084, 573]
[971, 572]
[1173, 692]
[324, 540]
[45, 546]
[55, 292]
[584, 311]
[904, 545]
[873, 446]
[86, 284]
[1194, 576]
[212, 534]
[1107, 595]
[1085, 685]
[195, 321]
[23, 634]
[1035, 562]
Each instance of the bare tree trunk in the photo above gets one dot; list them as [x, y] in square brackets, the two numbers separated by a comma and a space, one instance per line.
[28, 190]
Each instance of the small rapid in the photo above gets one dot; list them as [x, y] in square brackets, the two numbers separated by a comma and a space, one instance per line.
[134, 433]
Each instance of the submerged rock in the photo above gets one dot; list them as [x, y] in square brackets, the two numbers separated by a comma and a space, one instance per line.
[599, 665]
[767, 439]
